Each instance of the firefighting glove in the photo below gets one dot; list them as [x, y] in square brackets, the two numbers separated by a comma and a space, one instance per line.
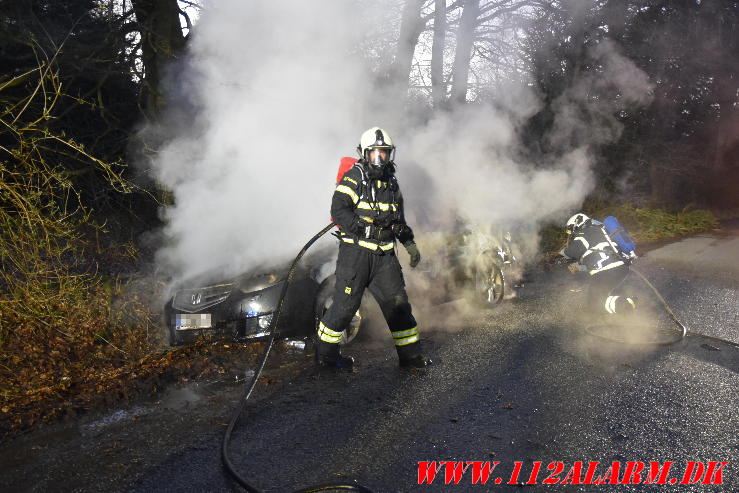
[412, 250]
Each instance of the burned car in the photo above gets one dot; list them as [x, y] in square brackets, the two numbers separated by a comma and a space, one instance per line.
[242, 308]
[475, 263]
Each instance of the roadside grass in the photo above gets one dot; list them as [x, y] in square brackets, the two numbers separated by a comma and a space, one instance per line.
[105, 384]
[84, 342]
[652, 224]
[61, 325]
[87, 341]
[644, 224]
[72, 332]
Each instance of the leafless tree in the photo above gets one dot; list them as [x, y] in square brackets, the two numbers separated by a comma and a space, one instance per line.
[438, 86]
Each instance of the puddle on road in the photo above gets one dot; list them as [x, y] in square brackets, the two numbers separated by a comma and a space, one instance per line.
[173, 399]
[180, 398]
[115, 417]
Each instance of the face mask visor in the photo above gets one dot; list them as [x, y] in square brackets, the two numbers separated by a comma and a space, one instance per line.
[380, 156]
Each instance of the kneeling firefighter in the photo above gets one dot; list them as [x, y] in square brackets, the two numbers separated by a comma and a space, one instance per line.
[589, 244]
[368, 208]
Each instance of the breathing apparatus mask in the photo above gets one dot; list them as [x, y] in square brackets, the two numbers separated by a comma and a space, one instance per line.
[377, 151]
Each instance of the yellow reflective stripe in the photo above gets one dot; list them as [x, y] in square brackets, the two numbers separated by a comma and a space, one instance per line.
[583, 241]
[351, 193]
[610, 304]
[330, 340]
[601, 245]
[404, 333]
[351, 180]
[322, 326]
[405, 337]
[609, 266]
[377, 205]
[407, 340]
[369, 245]
[374, 246]
[328, 335]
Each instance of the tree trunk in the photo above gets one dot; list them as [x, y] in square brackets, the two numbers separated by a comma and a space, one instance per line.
[463, 54]
[162, 41]
[438, 87]
[411, 27]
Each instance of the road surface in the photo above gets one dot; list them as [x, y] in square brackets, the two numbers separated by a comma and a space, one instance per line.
[523, 382]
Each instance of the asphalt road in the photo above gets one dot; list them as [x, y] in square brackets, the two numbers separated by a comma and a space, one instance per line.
[524, 382]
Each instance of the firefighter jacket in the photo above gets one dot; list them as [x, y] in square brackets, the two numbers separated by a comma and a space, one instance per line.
[366, 210]
[591, 246]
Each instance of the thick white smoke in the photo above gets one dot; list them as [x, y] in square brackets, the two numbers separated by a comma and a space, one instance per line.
[283, 90]
[279, 90]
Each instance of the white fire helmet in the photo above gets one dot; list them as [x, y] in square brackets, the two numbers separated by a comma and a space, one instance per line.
[575, 222]
[376, 138]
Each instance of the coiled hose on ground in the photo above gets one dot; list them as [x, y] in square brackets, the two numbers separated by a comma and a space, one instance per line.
[250, 387]
[677, 337]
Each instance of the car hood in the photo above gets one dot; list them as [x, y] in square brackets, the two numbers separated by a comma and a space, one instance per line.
[197, 296]
[250, 283]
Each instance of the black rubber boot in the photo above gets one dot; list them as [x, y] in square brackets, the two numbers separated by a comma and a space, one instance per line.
[340, 362]
[419, 361]
[329, 356]
[410, 356]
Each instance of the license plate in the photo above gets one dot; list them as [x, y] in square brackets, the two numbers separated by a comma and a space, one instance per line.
[184, 321]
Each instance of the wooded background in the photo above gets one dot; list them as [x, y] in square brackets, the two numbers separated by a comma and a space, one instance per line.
[108, 59]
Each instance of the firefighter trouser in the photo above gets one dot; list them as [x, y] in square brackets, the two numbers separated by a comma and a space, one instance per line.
[601, 297]
[356, 269]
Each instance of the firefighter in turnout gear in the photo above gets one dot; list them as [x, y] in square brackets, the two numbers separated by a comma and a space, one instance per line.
[368, 208]
[592, 248]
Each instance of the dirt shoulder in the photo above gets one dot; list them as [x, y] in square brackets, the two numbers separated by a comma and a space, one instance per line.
[111, 441]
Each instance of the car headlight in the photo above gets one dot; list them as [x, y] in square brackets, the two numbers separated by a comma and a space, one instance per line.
[264, 321]
[253, 308]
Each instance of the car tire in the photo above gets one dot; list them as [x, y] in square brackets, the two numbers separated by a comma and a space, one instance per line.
[489, 285]
[324, 299]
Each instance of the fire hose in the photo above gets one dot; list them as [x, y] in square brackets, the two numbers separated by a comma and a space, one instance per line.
[683, 330]
[228, 464]
[664, 303]
[250, 387]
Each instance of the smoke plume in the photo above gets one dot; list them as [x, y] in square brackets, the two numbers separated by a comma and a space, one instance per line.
[277, 92]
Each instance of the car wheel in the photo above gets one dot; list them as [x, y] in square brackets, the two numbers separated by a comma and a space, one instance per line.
[324, 301]
[489, 281]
